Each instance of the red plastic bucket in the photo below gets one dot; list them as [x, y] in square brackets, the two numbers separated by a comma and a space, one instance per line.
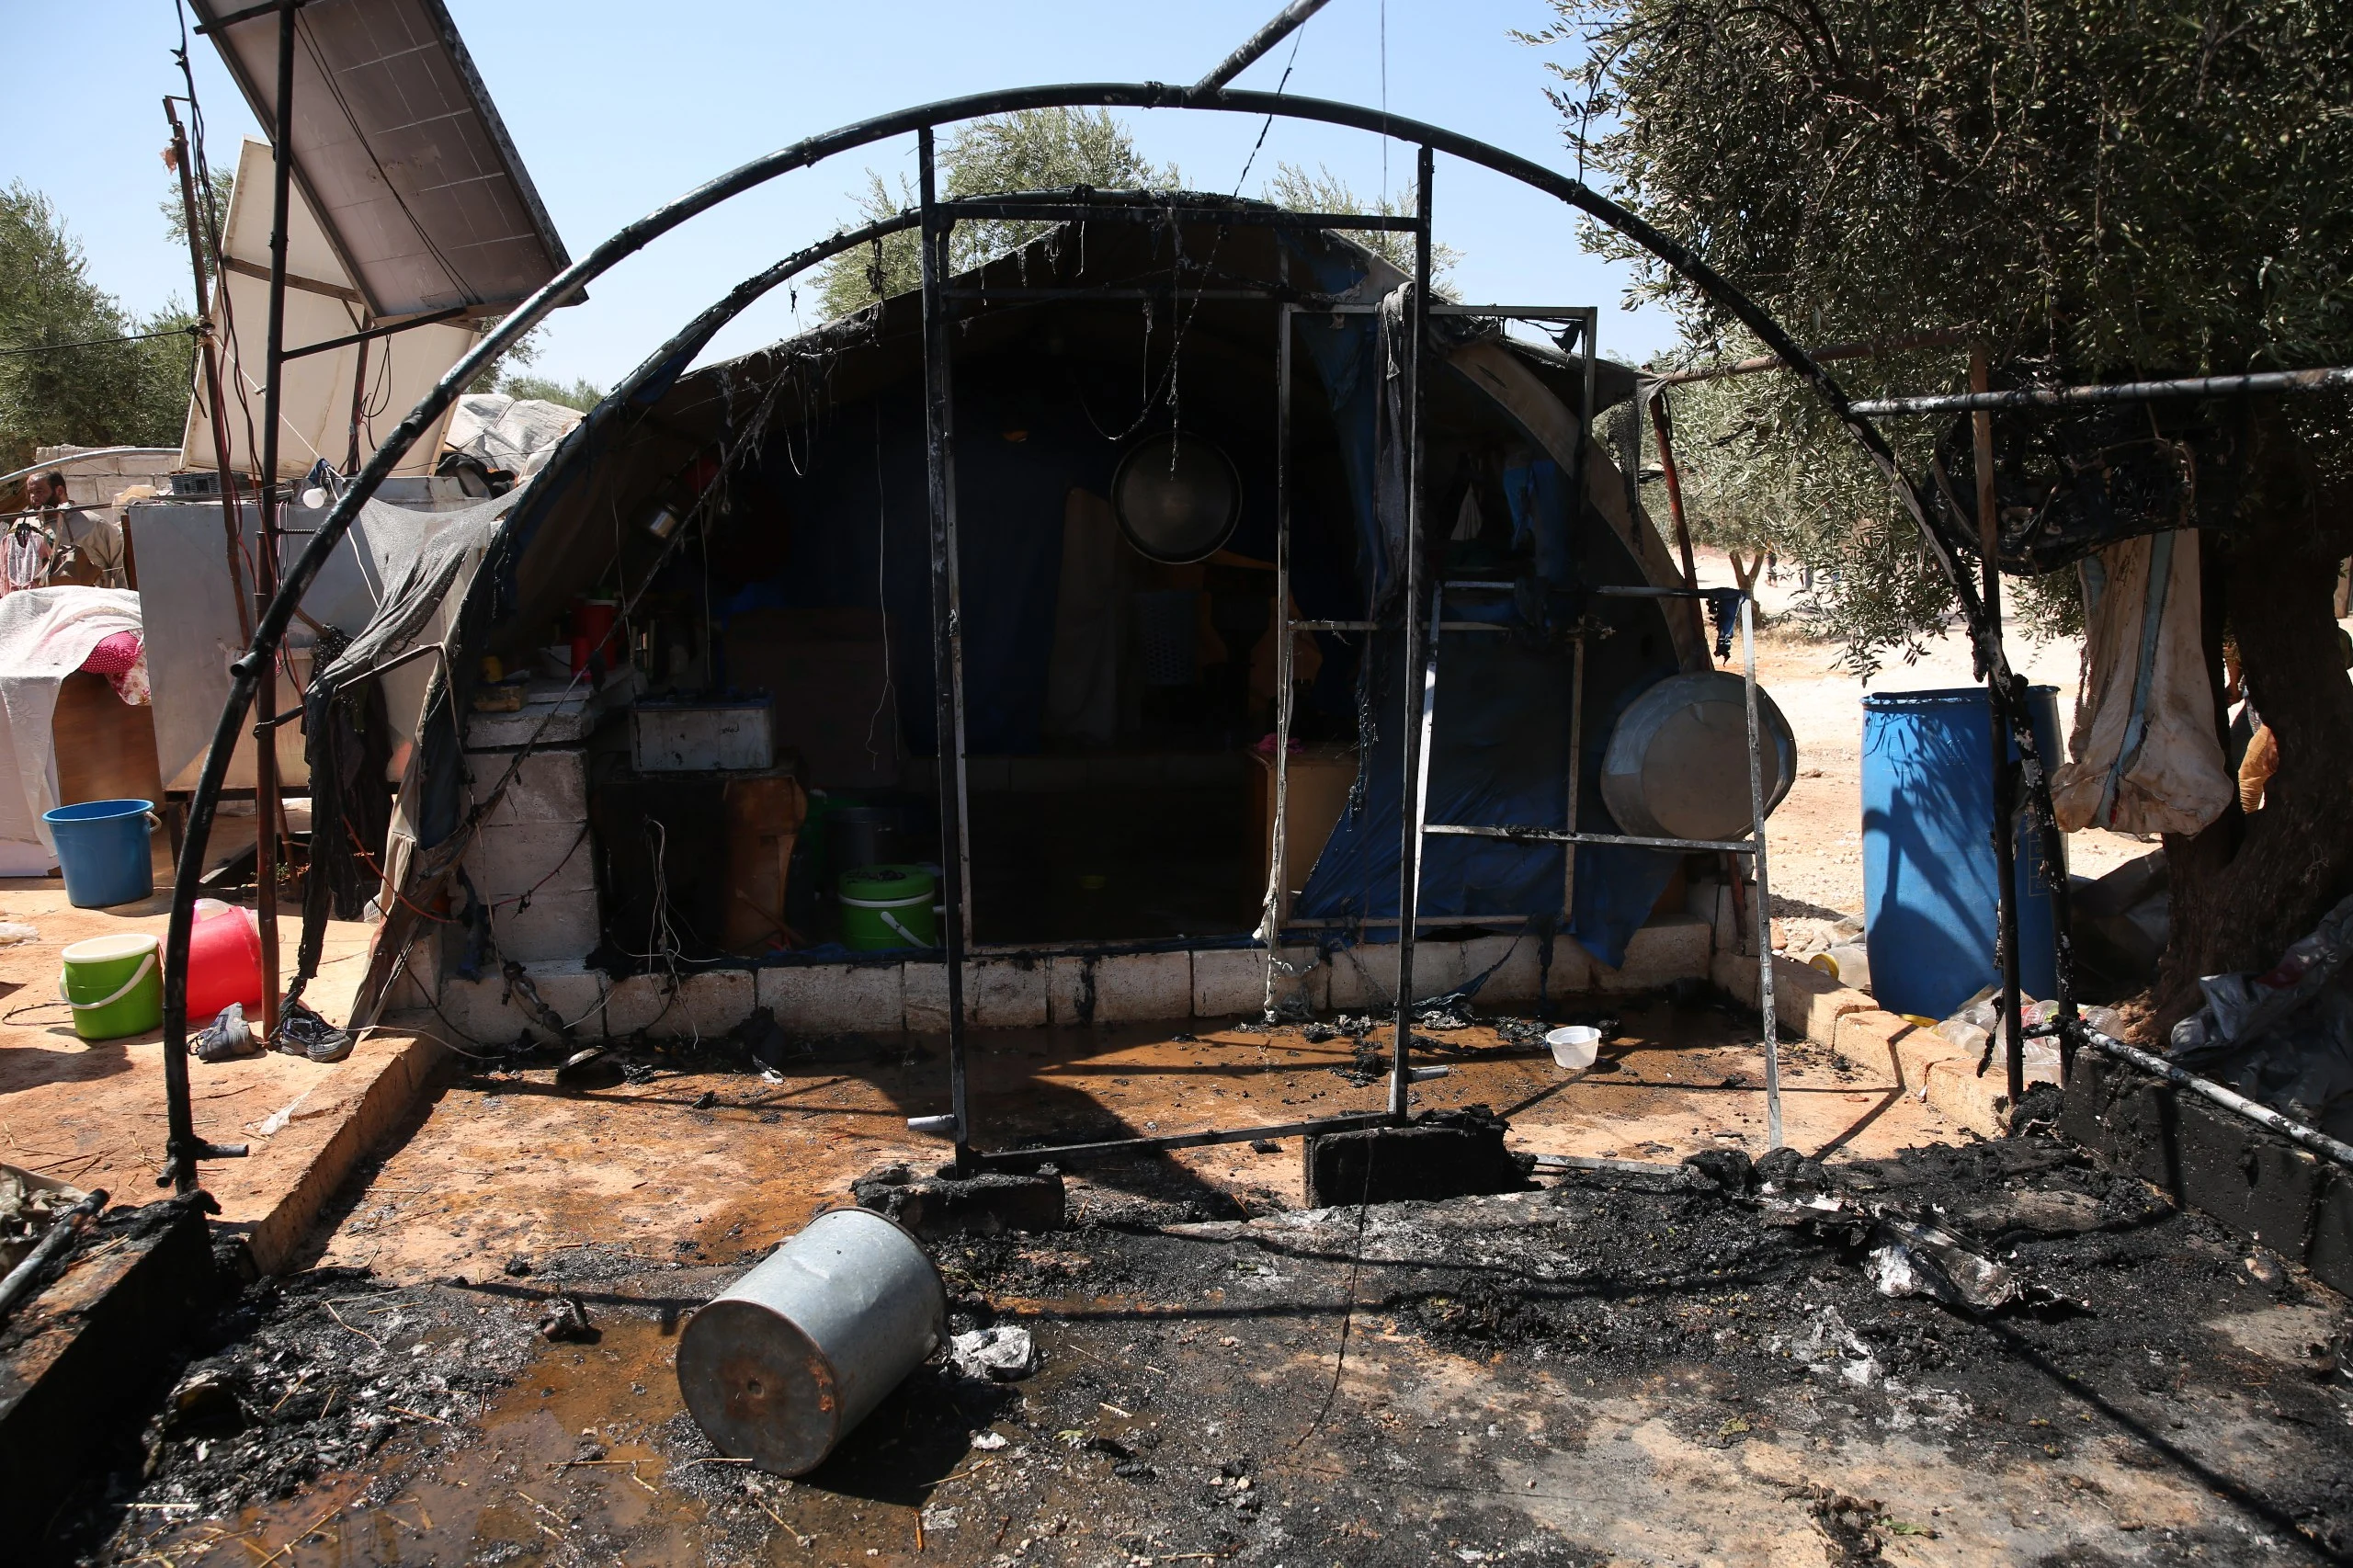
[223, 964]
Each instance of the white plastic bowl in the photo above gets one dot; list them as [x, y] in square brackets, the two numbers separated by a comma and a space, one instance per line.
[1574, 1047]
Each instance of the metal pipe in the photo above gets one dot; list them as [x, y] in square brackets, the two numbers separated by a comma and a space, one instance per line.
[330, 345]
[2007, 955]
[1553, 836]
[1662, 432]
[1570, 807]
[1764, 894]
[1113, 1148]
[1416, 781]
[2312, 1138]
[2320, 378]
[1947, 339]
[1278, 902]
[97, 452]
[1067, 211]
[1286, 21]
[25, 1276]
[940, 437]
[265, 570]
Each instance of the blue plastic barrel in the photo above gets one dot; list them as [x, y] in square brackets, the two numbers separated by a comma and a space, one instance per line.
[1929, 878]
[102, 849]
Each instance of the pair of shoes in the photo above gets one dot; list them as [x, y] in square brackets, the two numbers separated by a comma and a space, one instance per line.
[301, 1032]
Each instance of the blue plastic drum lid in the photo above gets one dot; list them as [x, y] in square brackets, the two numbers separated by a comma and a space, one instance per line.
[1930, 883]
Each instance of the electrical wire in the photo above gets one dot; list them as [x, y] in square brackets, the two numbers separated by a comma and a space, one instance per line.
[102, 342]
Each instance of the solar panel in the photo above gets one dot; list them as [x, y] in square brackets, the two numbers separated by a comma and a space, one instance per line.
[399, 151]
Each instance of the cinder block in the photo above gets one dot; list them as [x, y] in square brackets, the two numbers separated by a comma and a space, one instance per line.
[1363, 976]
[1805, 1001]
[924, 992]
[549, 786]
[642, 1001]
[1513, 959]
[1120, 988]
[1005, 993]
[1232, 982]
[541, 858]
[1671, 948]
[712, 1002]
[835, 998]
[554, 925]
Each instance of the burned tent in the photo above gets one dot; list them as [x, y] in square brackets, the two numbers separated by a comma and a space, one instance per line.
[1157, 418]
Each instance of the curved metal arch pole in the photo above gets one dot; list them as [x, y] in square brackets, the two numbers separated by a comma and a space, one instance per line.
[246, 672]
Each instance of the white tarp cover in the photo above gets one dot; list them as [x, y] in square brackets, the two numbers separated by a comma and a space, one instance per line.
[518, 434]
[314, 413]
[45, 634]
[2145, 757]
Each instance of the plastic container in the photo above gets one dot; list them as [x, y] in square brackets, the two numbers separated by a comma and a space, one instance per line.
[1574, 1047]
[863, 836]
[223, 961]
[1929, 872]
[1848, 964]
[103, 850]
[592, 621]
[115, 985]
[792, 1356]
[887, 907]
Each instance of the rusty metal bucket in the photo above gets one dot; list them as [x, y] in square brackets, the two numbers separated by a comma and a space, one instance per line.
[782, 1365]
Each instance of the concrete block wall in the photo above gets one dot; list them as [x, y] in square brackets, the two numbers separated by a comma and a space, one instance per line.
[96, 484]
[884, 995]
[532, 859]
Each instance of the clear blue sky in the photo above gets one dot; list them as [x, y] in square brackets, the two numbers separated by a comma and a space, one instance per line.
[616, 107]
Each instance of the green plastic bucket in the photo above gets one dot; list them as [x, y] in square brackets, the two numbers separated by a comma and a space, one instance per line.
[887, 907]
[115, 985]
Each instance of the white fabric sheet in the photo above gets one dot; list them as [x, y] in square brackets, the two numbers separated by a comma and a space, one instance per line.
[45, 633]
[2145, 756]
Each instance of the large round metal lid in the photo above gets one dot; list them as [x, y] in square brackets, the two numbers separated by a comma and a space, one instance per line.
[758, 1386]
[1177, 497]
[1677, 763]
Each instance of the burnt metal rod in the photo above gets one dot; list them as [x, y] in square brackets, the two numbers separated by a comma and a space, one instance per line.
[2006, 955]
[1416, 780]
[1240, 217]
[1277, 900]
[1070, 1154]
[1663, 433]
[265, 571]
[25, 1276]
[940, 437]
[2312, 1138]
[1561, 836]
[1949, 337]
[1764, 893]
[1285, 23]
[2319, 379]
[453, 314]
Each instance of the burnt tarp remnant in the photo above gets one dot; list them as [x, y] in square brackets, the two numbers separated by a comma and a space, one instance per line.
[2068, 483]
[1911, 1257]
[2284, 1037]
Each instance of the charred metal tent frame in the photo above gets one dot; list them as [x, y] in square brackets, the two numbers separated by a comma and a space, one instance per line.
[185, 1149]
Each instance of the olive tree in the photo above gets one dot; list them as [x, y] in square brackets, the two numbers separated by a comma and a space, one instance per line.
[2096, 191]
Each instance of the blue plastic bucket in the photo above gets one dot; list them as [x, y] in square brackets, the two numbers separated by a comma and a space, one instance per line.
[102, 849]
[1929, 872]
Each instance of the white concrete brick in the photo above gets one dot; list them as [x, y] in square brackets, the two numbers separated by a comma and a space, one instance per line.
[575, 991]
[541, 858]
[1120, 988]
[835, 998]
[1671, 948]
[1364, 976]
[1515, 982]
[549, 786]
[925, 989]
[642, 1001]
[1232, 982]
[553, 926]
[1005, 993]
[712, 1002]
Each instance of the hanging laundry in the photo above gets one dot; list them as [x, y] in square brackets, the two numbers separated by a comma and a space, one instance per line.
[2145, 757]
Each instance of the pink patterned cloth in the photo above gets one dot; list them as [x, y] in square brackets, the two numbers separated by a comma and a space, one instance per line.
[115, 654]
[121, 657]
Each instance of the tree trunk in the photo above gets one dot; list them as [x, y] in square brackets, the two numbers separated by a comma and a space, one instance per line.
[2250, 884]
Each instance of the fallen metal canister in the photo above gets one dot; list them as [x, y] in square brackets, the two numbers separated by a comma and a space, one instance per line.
[782, 1365]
